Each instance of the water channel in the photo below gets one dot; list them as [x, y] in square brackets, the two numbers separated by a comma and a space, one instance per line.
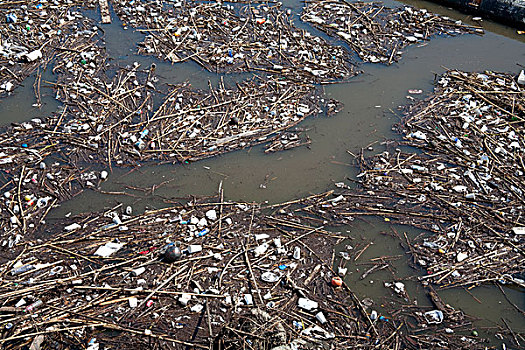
[365, 121]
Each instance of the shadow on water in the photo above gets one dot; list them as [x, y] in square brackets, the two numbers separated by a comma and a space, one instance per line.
[487, 25]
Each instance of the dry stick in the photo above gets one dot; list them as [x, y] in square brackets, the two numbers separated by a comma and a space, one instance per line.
[36, 88]
[392, 54]
[362, 251]
[325, 194]
[374, 268]
[314, 272]
[227, 265]
[380, 345]
[20, 199]
[209, 320]
[493, 104]
[510, 302]
[472, 295]
[13, 74]
[53, 283]
[376, 212]
[248, 259]
[153, 292]
[190, 275]
[451, 271]
[142, 333]
[131, 290]
[109, 151]
[511, 332]
[97, 324]
[69, 252]
[245, 333]
[221, 199]
[295, 225]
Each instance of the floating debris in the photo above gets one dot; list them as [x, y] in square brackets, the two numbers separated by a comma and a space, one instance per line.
[376, 33]
[225, 38]
[466, 186]
[287, 140]
[213, 273]
[112, 121]
[31, 34]
[82, 283]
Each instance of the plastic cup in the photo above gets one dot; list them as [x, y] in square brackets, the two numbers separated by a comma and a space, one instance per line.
[320, 317]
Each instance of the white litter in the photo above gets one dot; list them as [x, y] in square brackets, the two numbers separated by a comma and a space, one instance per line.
[307, 304]
[108, 249]
[72, 227]
[461, 256]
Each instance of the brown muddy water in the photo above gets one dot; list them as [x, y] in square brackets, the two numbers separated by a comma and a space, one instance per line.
[366, 121]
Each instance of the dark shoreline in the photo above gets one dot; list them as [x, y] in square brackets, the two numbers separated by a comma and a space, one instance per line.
[507, 12]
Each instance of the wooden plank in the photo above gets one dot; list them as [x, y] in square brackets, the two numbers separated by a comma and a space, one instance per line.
[104, 11]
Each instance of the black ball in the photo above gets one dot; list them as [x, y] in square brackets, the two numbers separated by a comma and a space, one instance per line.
[173, 253]
[234, 121]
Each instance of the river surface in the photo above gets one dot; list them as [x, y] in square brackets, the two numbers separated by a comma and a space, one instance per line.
[365, 122]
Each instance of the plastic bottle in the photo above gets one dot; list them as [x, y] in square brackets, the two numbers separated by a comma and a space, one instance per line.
[140, 144]
[373, 315]
[202, 233]
[297, 253]
[194, 248]
[11, 18]
[34, 305]
[22, 269]
[138, 271]
[320, 317]
[144, 133]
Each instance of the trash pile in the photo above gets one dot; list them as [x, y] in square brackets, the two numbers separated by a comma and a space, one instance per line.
[113, 122]
[226, 38]
[41, 163]
[206, 273]
[33, 182]
[30, 34]
[464, 183]
[108, 117]
[376, 33]
[192, 125]
[288, 140]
